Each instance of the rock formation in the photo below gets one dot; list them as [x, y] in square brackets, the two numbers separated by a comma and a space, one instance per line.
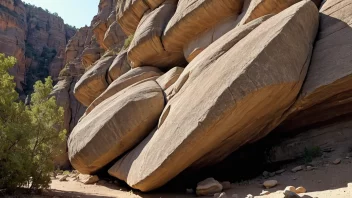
[154, 87]
[36, 38]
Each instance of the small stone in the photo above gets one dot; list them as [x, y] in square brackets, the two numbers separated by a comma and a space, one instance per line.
[297, 168]
[249, 196]
[220, 195]
[209, 186]
[110, 182]
[300, 189]
[64, 178]
[116, 182]
[280, 171]
[309, 168]
[226, 185]
[337, 161]
[101, 182]
[266, 174]
[234, 196]
[270, 183]
[189, 191]
[272, 174]
[264, 192]
[290, 188]
[290, 194]
[88, 179]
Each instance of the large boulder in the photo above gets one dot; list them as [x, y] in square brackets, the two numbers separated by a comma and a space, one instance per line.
[169, 78]
[114, 37]
[327, 91]
[146, 47]
[119, 66]
[94, 81]
[130, 12]
[193, 17]
[252, 84]
[116, 126]
[129, 78]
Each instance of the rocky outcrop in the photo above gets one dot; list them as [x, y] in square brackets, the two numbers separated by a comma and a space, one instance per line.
[36, 38]
[119, 66]
[129, 78]
[146, 47]
[94, 81]
[261, 86]
[115, 126]
[327, 92]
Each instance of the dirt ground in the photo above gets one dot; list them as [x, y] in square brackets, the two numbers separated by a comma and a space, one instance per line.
[327, 180]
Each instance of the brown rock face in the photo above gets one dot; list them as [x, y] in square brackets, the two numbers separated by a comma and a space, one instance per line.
[327, 91]
[193, 17]
[94, 81]
[209, 118]
[127, 79]
[115, 126]
[36, 38]
[146, 47]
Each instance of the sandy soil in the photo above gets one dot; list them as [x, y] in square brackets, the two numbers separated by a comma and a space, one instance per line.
[326, 181]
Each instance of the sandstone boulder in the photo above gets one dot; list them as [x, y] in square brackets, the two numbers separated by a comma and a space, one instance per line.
[129, 78]
[193, 17]
[116, 126]
[146, 47]
[327, 91]
[169, 78]
[130, 12]
[119, 66]
[114, 37]
[93, 82]
[90, 55]
[202, 41]
[209, 186]
[258, 78]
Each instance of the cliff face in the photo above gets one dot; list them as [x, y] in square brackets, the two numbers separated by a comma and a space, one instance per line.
[36, 38]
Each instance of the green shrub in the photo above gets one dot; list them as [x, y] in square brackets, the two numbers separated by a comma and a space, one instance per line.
[128, 41]
[29, 136]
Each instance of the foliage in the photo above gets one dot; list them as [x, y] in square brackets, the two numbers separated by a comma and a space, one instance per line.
[311, 153]
[29, 136]
[128, 41]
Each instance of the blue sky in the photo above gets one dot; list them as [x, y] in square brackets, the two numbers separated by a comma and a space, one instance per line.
[74, 12]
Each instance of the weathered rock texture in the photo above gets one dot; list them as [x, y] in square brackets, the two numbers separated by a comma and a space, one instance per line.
[129, 78]
[327, 91]
[115, 126]
[36, 38]
[146, 47]
[94, 81]
[210, 118]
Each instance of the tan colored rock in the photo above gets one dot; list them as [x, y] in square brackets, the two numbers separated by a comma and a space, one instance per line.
[337, 161]
[119, 66]
[93, 82]
[270, 183]
[290, 188]
[116, 126]
[202, 41]
[169, 78]
[114, 37]
[202, 118]
[88, 179]
[129, 78]
[327, 86]
[130, 12]
[300, 189]
[90, 55]
[146, 47]
[194, 17]
[209, 186]
[259, 8]
[297, 168]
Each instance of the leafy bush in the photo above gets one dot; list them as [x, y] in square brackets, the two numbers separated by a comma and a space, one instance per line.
[29, 136]
[311, 153]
